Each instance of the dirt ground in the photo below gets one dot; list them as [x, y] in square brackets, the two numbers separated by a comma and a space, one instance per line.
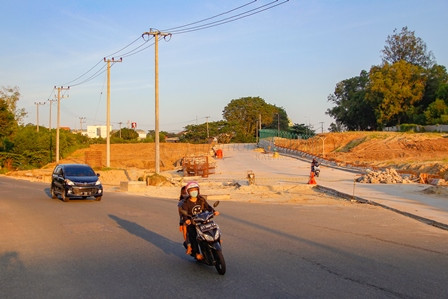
[411, 152]
[419, 153]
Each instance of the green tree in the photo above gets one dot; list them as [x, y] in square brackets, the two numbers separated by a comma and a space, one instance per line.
[279, 121]
[218, 129]
[406, 46]
[351, 109]
[8, 124]
[126, 134]
[243, 115]
[394, 89]
[437, 112]
[303, 130]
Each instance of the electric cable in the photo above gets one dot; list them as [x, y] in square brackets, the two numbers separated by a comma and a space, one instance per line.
[234, 18]
[206, 19]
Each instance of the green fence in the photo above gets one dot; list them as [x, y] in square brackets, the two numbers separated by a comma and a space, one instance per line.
[270, 133]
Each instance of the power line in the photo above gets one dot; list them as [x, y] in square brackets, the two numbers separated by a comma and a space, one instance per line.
[233, 18]
[206, 19]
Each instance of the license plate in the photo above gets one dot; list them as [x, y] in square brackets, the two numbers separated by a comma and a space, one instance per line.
[207, 227]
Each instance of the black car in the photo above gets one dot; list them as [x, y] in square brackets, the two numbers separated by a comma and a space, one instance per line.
[75, 180]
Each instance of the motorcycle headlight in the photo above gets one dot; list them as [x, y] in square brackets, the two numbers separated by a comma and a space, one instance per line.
[68, 182]
[209, 238]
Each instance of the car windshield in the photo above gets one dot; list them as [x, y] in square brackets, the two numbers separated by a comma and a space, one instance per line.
[79, 171]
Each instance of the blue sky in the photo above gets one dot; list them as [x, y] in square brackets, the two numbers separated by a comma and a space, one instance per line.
[291, 56]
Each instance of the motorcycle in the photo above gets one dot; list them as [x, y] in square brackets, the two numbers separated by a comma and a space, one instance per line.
[315, 169]
[209, 240]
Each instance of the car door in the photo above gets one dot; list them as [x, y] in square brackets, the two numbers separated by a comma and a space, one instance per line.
[58, 178]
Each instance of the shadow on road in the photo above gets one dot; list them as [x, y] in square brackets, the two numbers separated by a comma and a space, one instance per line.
[168, 246]
[11, 266]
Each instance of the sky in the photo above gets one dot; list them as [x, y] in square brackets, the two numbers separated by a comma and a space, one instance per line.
[291, 55]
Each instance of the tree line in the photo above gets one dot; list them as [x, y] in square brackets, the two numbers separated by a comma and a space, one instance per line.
[22, 147]
[408, 87]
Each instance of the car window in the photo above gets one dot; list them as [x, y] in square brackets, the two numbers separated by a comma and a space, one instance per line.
[58, 170]
[79, 171]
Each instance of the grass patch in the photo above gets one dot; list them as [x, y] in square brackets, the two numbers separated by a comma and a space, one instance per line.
[352, 144]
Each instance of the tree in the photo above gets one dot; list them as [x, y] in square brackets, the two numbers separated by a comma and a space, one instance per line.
[126, 134]
[394, 89]
[406, 46]
[303, 130]
[222, 130]
[352, 110]
[437, 112]
[243, 114]
[8, 124]
[279, 121]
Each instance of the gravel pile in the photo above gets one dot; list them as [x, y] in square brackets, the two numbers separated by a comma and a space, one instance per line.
[389, 176]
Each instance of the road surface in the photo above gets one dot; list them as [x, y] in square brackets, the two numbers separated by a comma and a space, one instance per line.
[129, 246]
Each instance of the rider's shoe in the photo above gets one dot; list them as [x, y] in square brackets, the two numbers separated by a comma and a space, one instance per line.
[189, 249]
[199, 257]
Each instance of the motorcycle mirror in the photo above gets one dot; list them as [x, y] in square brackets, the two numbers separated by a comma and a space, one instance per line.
[216, 204]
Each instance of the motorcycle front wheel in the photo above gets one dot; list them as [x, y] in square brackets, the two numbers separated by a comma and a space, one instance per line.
[220, 263]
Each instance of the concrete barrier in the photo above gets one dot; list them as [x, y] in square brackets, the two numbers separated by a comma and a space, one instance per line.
[132, 186]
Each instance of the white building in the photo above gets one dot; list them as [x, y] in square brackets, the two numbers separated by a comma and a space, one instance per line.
[97, 131]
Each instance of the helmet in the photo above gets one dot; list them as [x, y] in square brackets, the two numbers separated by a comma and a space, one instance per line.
[191, 185]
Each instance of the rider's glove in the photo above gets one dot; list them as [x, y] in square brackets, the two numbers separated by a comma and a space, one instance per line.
[216, 213]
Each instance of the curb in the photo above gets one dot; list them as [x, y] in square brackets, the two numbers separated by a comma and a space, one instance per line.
[370, 202]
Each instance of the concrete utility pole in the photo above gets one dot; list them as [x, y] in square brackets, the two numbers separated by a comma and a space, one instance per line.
[81, 121]
[108, 109]
[278, 124]
[157, 34]
[208, 135]
[51, 134]
[37, 114]
[59, 120]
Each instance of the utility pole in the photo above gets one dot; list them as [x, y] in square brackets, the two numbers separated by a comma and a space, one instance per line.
[278, 124]
[157, 34]
[108, 109]
[120, 128]
[322, 126]
[81, 121]
[208, 135]
[37, 114]
[59, 120]
[51, 133]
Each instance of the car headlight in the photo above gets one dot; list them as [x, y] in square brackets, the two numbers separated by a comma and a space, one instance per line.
[68, 182]
[97, 183]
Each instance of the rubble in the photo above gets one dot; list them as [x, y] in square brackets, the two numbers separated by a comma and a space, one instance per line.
[388, 176]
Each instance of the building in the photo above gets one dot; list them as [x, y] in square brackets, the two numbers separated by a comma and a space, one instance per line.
[97, 131]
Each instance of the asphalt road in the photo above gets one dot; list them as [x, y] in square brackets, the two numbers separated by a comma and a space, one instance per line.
[130, 247]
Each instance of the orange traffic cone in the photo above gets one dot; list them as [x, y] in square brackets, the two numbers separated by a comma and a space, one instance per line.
[312, 181]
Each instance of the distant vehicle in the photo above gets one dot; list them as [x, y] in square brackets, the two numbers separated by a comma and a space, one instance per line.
[75, 180]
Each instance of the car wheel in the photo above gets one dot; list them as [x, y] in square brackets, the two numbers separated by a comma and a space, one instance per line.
[98, 198]
[64, 196]
[53, 193]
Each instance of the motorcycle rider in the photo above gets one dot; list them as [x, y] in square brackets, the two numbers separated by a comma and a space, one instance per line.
[182, 227]
[314, 164]
[193, 205]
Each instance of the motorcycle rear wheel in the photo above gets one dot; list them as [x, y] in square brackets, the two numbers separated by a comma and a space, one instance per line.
[220, 263]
